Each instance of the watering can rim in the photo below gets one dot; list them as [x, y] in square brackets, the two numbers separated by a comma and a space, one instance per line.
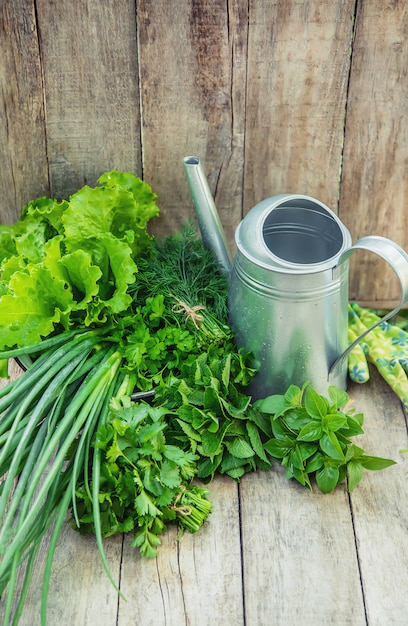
[259, 253]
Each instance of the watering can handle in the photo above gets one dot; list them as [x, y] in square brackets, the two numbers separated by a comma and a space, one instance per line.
[397, 258]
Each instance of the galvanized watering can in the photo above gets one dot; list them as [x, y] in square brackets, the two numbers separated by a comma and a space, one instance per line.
[288, 285]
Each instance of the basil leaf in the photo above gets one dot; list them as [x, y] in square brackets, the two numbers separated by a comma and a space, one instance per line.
[333, 422]
[311, 432]
[354, 474]
[331, 446]
[327, 478]
[315, 404]
[338, 396]
[375, 462]
[276, 405]
[278, 448]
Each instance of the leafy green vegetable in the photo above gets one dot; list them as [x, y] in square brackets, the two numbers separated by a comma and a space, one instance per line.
[311, 436]
[54, 404]
[144, 480]
[116, 463]
[136, 389]
[71, 262]
[213, 418]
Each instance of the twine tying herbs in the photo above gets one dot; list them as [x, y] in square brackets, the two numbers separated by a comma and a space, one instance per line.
[191, 312]
[183, 510]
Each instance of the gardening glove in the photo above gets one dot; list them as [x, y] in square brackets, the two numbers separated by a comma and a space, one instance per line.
[386, 346]
[357, 358]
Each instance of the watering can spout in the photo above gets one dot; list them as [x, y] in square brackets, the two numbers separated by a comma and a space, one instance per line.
[211, 229]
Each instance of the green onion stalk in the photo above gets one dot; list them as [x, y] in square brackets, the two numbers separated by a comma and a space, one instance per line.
[48, 419]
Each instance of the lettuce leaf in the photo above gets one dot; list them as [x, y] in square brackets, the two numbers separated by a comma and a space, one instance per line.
[71, 262]
[36, 301]
[46, 211]
[7, 244]
[122, 207]
[23, 239]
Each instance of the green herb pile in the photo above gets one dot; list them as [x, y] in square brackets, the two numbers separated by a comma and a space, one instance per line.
[133, 396]
[134, 386]
[311, 437]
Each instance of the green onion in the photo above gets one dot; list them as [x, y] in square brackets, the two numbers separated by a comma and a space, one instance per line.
[56, 404]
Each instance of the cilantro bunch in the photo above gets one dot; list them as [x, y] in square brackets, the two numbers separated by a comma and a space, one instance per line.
[145, 481]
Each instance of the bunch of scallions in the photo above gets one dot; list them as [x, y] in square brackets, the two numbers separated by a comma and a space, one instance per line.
[133, 388]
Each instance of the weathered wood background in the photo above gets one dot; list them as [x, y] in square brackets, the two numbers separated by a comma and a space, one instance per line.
[275, 96]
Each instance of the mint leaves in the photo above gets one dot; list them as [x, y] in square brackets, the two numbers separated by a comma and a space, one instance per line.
[71, 262]
[311, 436]
[214, 417]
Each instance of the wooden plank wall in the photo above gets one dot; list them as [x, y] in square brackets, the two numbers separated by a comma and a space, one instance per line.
[275, 96]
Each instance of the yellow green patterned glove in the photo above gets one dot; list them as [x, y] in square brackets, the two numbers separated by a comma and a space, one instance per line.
[357, 358]
[386, 346]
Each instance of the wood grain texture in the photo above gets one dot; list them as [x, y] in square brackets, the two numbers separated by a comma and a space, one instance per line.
[300, 564]
[80, 592]
[380, 505]
[196, 579]
[89, 54]
[23, 151]
[279, 96]
[193, 77]
[298, 67]
[374, 185]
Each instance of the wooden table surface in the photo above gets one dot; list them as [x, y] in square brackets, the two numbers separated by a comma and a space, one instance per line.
[271, 553]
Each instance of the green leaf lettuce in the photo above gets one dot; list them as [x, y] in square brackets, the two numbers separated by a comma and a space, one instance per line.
[71, 262]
